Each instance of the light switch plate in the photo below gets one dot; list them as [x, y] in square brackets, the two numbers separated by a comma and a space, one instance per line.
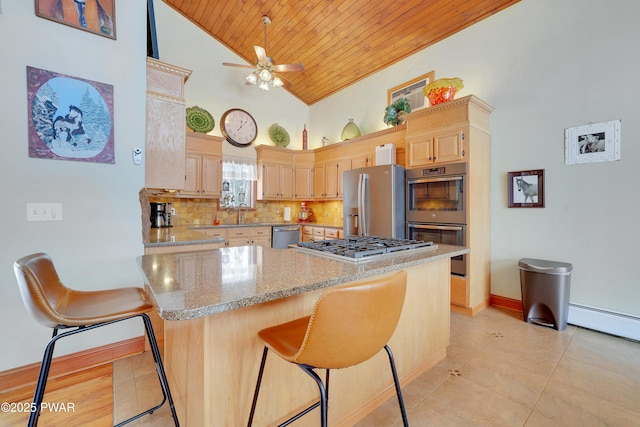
[44, 211]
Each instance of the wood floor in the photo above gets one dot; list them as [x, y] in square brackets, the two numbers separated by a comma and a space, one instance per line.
[499, 371]
[81, 399]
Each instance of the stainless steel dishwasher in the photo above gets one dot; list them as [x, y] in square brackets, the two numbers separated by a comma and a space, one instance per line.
[285, 235]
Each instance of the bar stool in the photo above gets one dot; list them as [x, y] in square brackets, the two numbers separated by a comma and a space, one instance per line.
[348, 326]
[55, 306]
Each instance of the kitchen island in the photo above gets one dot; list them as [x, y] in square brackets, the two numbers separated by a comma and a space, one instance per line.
[214, 302]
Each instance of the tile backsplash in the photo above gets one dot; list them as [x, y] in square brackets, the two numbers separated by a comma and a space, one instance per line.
[204, 211]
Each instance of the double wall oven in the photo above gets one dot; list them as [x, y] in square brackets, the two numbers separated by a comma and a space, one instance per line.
[436, 207]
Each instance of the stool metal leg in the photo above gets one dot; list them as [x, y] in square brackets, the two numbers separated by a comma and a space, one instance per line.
[162, 377]
[255, 393]
[38, 396]
[405, 421]
[48, 355]
[323, 394]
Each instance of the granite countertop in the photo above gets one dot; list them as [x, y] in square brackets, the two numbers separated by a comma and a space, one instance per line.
[196, 234]
[230, 278]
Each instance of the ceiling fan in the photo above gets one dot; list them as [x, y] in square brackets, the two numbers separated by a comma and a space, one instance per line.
[265, 69]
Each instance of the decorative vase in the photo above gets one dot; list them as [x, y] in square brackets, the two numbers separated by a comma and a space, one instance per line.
[442, 90]
[304, 138]
[350, 131]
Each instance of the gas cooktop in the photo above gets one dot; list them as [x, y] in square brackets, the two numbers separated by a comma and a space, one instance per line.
[362, 248]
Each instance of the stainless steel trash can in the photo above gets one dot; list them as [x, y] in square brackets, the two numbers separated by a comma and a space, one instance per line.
[545, 287]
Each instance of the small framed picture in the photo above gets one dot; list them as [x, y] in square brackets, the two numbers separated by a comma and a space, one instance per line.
[595, 142]
[412, 90]
[526, 189]
[94, 16]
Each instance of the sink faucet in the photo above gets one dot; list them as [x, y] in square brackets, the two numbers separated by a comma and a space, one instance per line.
[240, 219]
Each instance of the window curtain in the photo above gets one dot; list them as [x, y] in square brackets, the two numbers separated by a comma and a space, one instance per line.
[239, 168]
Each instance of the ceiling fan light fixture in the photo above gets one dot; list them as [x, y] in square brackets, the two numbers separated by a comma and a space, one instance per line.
[252, 79]
[264, 70]
[265, 75]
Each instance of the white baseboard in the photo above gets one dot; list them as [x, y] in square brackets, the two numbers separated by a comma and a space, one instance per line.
[622, 325]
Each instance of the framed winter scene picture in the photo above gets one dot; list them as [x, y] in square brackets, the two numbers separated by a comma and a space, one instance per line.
[595, 142]
[94, 16]
[69, 118]
[526, 189]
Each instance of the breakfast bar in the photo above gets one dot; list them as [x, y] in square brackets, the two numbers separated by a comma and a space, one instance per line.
[214, 302]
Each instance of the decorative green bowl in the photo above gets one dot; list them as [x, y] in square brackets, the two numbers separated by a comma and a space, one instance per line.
[199, 120]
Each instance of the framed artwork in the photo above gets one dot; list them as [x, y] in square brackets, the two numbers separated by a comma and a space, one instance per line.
[599, 142]
[526, 189]
[94, 16]
[412, 90]
[69, 118]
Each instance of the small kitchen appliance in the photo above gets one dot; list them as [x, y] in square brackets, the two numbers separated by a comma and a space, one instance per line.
[305, 213]
[161, 214]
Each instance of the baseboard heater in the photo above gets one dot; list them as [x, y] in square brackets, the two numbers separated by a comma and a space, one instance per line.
[609, 322]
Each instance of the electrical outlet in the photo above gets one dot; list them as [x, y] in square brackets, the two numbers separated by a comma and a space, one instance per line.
[44, 211]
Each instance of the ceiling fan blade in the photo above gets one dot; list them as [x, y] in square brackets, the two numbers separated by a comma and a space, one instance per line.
[289, 67]
[228, 64]
[286, 83]
[261, 53]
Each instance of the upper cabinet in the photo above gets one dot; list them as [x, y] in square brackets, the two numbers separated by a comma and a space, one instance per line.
[275, 173]
[303, 175]
[444, 133]
[203, 175]
[440, 147]
[165, 122]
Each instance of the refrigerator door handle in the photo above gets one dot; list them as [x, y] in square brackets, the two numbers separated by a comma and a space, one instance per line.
[362, 212]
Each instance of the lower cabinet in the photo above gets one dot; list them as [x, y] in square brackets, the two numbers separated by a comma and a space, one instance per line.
[314, 233]
[242, 236]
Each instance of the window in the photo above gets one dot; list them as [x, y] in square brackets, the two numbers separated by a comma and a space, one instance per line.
[239, 177]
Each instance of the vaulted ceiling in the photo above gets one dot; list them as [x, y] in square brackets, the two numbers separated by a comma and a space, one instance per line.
[338, 41]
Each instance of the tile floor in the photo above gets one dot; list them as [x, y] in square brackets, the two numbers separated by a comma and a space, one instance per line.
[499, 371]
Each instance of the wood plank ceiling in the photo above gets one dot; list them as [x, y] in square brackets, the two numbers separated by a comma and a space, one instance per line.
[338, 41]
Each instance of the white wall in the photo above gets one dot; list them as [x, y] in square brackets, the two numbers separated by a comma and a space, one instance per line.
[99, 238]
[217, 88]
[544, 66]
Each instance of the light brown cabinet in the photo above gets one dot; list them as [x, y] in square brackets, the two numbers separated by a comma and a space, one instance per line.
[165, 129]
[458, 131]
[203, 174]
[314, 233]
[328, 179]
[241, 236]
[275, 173]
[363, 161]
[304, 176]
[441, 147]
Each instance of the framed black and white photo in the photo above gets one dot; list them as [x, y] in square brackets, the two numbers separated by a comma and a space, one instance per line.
[526, 189]
[595, 142]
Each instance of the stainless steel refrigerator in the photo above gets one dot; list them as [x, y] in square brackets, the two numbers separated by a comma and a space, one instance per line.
[373, 201]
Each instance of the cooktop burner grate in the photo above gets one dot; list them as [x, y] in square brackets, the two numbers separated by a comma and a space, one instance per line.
[361, 247]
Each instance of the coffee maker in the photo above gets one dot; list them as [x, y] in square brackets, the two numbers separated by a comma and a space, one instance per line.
[161, 214]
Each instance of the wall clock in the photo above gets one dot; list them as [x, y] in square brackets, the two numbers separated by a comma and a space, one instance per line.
[238, 127]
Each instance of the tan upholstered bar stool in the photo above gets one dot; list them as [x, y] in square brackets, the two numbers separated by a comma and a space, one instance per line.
[55, 306]
[348, 326]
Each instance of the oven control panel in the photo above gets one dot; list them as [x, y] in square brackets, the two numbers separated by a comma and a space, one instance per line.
[433, 171]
